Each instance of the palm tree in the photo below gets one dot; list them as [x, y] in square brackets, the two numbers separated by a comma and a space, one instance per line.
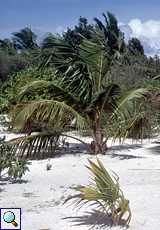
[24, 39]
[111, 31]
[79, 96]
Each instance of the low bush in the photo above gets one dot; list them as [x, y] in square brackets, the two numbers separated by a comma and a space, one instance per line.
[13, 82]
[8, 159]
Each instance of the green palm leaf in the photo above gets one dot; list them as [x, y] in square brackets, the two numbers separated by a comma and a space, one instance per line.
[54, 90]
[46, 110]
[126, 105]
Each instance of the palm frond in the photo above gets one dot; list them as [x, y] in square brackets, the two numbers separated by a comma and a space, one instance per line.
[78, 82]
[104, 99]
[56, 51]
[47, 110]
[42, 144]
[53, 89]
[95, 53]
[59, 45]
[127, 103]
[36, 146]
[136, 126]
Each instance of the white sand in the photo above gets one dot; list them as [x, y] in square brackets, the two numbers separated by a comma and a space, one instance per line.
[41, 193]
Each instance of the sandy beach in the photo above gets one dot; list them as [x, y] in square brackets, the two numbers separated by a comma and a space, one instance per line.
[40, 193]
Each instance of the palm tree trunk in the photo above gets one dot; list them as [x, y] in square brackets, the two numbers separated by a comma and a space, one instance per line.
[98, 146]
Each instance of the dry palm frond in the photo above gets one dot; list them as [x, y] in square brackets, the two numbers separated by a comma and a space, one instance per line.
[36, 146]
[155, 97]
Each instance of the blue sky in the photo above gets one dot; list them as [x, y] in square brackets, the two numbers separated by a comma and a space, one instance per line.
[137, 18]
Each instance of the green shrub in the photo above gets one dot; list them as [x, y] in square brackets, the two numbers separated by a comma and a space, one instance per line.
[48, 166]
[10, 64]
[17, 63]
[13, 82]
[8, 159]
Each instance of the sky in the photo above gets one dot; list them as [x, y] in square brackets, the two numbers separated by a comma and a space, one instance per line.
[136, 18]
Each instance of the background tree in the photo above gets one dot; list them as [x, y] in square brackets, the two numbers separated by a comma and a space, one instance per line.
[7, 46]
[135, 46]
[24, 39]
[72, 36]
[10, 64]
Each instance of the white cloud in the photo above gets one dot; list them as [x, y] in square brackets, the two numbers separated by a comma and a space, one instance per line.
[148, 33]
[125, 28]
[59, 30]
[40, 35]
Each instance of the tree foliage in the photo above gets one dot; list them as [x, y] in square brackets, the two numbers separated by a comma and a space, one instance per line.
[7, 46]
[9, 64]
[9, 87]
[135, 46]
[135, 71]
[24, 39]
[73, 38]
[115, 39]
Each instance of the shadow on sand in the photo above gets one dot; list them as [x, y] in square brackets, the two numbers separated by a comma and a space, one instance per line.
[154, 150]
[78, 149]
[93, 220]
[8, 180]
[122, 151]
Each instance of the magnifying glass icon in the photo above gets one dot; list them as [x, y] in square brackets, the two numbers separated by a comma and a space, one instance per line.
[9, 217]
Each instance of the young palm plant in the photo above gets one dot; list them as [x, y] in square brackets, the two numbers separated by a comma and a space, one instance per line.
[79, 96]
[104, 191]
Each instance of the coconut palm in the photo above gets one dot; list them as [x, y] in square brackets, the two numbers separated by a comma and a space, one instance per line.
[24, 39]
[112, 32]
[78, 95]
[104, 191]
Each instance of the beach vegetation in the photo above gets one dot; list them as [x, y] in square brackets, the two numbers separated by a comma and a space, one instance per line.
[16, 166]
[103, 191]
[48, 166]
[14, 81]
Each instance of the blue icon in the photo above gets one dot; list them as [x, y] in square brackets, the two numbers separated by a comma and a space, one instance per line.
[9, 217]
